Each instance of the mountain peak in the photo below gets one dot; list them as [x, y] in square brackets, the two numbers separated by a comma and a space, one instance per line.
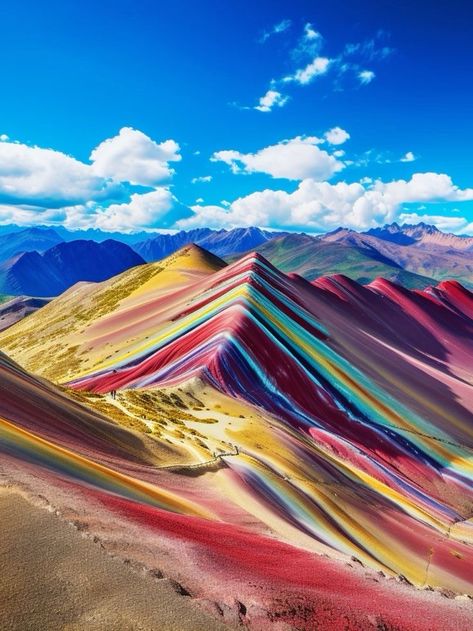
[339, 230]
[419, 228]
[229, 311]
[421, 235]
[53, 271]
[254, 263]
[37, 238]
[193, 255]
[219, 242]
[321, 367]
[405, 234]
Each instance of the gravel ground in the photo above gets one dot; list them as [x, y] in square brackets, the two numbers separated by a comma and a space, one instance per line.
[52, 578]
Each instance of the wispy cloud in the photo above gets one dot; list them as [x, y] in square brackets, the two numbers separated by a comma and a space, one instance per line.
[408, 157]
[374, 156]
[201, 178]
[309, 43]
[318, 66]
[310, 64]
[366, 76]
[280, 27]
[373, 49]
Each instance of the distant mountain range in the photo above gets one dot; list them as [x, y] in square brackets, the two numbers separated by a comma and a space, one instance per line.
[27, 240]
[219, 242]
[44, 262]
[423, 250]
[421, 234]
[52, 272]
[151, 246]
[91, 234]
[414, 256]
[312, 257]
[15, 309]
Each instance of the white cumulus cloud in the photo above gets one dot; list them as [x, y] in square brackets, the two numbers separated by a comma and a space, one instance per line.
[142, 211]
[131, 156]
[322, 206]
[294, 159]
[48, 178]
[40, 185]
[271, 99]
[336, 136]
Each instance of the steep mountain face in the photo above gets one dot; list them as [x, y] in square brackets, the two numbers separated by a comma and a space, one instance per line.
[312, 257]
[63, 265]
[43, 409]
[28, 274]
[38, 239]
[90, 261]
[342, 412]
[219, 242]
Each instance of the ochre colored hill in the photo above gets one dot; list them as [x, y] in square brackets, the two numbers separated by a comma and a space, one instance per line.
[91, 321]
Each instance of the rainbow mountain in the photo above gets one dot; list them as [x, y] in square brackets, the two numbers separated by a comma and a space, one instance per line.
[338, 416]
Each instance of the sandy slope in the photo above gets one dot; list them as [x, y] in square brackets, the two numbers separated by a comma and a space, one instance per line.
[53, 578]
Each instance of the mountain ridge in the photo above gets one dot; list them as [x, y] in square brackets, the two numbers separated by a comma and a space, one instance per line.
[219, 242]
[35, 238]
[312, 257]
[433, 254]
[61, 266]
[422, 234]
[306, 389]
[414, 255]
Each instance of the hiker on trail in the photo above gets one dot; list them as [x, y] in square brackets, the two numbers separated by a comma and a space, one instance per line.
[114, 392]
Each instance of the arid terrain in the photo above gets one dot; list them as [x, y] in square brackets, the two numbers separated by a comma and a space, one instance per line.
[274, 452]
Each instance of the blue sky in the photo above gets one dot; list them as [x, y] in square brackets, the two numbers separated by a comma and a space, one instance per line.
[245, 93]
